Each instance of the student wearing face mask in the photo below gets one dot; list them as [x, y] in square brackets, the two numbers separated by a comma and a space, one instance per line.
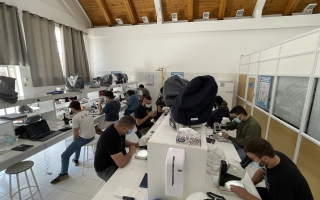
[143, 115]
[282, 177]
[111, 153]
[111, 111]
[247, 129]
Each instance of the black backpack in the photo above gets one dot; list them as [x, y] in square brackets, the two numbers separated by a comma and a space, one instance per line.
[120, 78]
[194, 103]
[106, 80]
[172, 87]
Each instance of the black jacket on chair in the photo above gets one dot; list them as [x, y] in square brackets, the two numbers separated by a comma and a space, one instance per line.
[194, 103]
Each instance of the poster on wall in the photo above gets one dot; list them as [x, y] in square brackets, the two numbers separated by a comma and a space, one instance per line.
[180, 74]
[264, 91]
[116, 72]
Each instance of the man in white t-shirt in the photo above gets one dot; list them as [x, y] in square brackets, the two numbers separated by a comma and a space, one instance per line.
[83, 133]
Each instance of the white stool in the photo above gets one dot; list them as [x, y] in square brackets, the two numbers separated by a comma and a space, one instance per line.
[86, 152]
[17, 169]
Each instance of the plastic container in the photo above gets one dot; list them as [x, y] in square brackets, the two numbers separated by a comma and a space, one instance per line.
[10, 140]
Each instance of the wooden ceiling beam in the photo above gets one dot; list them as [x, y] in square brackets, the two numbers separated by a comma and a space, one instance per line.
[132, 17]
[190, 10]
[106, 12]
[257, 13]
[222, 9]
[159, 14]
[291, 6]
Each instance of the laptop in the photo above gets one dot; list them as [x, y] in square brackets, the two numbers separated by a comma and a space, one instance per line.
[40, 131]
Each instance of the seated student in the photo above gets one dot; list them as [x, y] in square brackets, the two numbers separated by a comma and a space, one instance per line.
[160, 104]
[221, 111]
[143, 115]
[247, 129]
[132, 103]
[282, 177]
[160, 94]
[111, 153]
[111, 111]
[83, 133]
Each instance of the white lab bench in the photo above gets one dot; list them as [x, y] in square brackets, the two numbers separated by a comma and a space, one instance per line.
[129, 178]
[12, 157]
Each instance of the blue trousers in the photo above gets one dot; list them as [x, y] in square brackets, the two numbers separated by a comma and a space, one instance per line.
[128, 112]
[74, 147]
[241, 152]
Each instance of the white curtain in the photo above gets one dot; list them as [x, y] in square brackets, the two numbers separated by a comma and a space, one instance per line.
[44, 60]
[12, 45]
[76, 60]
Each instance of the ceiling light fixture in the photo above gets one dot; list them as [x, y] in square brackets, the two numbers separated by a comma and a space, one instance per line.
[309, 8]
[174, 17]
[119, 21]
[206, 15]
[240, 13]
[145, 19]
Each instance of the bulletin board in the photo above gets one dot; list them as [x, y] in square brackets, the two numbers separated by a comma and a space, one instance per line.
[264, 91]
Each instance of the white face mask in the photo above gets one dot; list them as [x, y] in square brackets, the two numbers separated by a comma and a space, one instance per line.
[148, 105]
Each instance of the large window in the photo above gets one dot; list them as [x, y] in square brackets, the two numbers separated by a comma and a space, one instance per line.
[314, 125]
[290, 97]
[60, 46]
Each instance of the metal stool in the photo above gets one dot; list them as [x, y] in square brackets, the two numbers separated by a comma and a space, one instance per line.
[86, 152]
[17, 169]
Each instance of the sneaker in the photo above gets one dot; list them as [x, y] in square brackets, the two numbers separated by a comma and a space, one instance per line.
[60, 178]
[76, 162]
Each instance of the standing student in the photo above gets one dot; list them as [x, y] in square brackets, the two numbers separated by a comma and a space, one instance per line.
[111, 153]
[247, 129]
[111, 111]
[132, 103]
[144, 90]
[83, 133]
[282, 177]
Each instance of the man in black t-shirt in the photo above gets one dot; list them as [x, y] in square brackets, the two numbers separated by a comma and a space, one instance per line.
[110, 153]
[282, 177]
[160, 104]
[143, 115]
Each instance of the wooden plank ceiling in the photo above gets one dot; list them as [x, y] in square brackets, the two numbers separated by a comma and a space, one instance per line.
[105, 12]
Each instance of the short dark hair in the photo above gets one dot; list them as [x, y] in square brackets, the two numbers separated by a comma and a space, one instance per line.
[75, 105]
[147, 97]
[141, 86]
[259, 147]
[127, 121]
[218, 99]
[239, 110]
[161, 90]
[130, 92]
[110, 94]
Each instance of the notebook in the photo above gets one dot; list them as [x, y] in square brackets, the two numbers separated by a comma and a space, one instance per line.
[22, 147]
[144, 182]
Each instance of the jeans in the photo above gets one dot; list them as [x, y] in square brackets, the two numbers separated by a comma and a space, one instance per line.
[240, 151]
[107, 173]
[74, 147]
[128, 112]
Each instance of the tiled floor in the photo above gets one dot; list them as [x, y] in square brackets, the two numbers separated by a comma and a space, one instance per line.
[76, 187]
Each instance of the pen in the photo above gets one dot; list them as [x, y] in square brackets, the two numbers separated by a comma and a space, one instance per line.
[124, 197]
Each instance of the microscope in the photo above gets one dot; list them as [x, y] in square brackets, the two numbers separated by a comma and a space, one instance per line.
[231, 173]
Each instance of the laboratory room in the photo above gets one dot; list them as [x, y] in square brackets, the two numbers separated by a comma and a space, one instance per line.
[159, 99]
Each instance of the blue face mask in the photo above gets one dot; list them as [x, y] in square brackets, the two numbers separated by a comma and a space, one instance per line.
[256, 164]
[129, 132]
[237, 120]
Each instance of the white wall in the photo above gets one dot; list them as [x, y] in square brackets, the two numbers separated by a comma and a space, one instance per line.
[211, 47]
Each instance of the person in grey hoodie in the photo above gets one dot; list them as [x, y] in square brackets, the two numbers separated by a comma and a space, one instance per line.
[221, 110]
[133, 103]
